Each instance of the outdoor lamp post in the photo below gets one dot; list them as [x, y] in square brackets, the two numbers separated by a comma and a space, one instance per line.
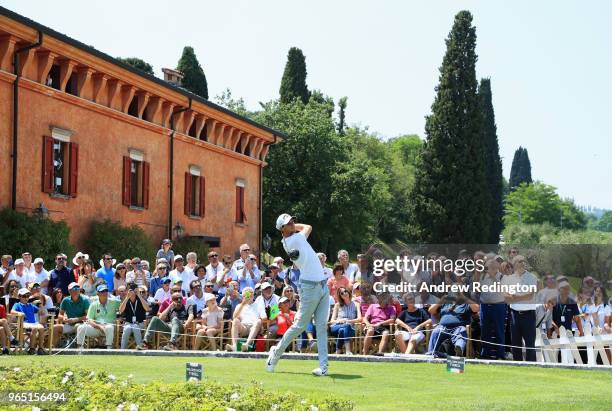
[267, 243]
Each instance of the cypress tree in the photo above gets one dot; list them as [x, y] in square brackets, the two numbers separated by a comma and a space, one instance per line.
[194, 78]
[448, 203]
[341, 115]
[293, 83]
[521, 169]
[493, 163]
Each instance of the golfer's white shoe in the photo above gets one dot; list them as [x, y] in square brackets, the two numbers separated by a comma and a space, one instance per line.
[270, 364]
[319, 372]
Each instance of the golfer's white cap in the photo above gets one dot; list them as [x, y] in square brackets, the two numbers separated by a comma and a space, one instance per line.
[282, 220]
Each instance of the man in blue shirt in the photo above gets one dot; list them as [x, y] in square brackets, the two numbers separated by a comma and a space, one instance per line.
[28, 311]
[60, 277]
[107, 272]
[453, 319]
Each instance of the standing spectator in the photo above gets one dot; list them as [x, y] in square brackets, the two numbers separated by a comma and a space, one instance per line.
[601, 309]
[192, 261]
[138, 274]
[159, 275]
[29, 311]
[73, 311]
[566, 310]
[87, 279]
[120, 278]
[77, 263]
[199, 273]
[349, 268]
[280, 262]
[246, 269]
[40, 275]
[378, 320]
[276, 279]
[225, 277]
[584, 300]
[182, 273]
[134, 310]
[107, 272]
[424, 299]
[344, 316]
[549, 291]
[328, 271]
[101, 317]
[492, 314]
[337, 281]
[5, 263]
[60, 277]
[197, 297]
[364, 297]
[28, 266]
[166, 252]
[522, 306]
[364, 273]
[248, 318]
[174, 320]
[455, 315]
[230, 300]
[212, 323]
[409, 325]
[19, 274]
[213, 270]
[292, 277]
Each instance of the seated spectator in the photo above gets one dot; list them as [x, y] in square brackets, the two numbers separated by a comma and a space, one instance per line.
[176, 288]
[28, 311]
[133, 308]
[285, 317]
[197, 297]
[453, 319]
[164, 292]
[101, 317]
[57, 296]
[120, 277]
[230, 300]
[160, 274]
[549, 291]
[247, 321]
[294, 300]
[211, 324]
[46, 308]
[268, 302]
[11, 297]
[364, 297]
[173, 320]
[40, 275]
[410, 324]
[276, 278]
[338, 280]
[209, 287]
[378, 320]
[87, 279]
[424, 299]
[73, 311]
[138, 274]
[121, 292]
[328, 271]
[345, 315]
[6, 336]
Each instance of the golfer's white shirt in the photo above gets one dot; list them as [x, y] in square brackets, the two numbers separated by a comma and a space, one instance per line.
[308, 262]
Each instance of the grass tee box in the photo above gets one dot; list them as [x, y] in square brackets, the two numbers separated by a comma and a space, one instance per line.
[369, 386]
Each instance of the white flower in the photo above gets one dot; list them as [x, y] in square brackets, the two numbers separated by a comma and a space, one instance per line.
[16, 369]
[130, 376]
[35, 408]
[235, 396]
[65, 380]
[302, 402]
[91, 374]
[133, 407]
[120, 406]
[124, 383]
[69, 373]
[230, 409]
[78, 399]
[274, 407]
[314, 408]
[111, 377]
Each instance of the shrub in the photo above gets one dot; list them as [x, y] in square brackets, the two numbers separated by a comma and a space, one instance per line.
[43, 237]
[86, 390]
[122, 242]
[186, 244]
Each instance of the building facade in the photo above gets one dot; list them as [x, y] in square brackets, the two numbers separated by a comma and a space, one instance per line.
[92, 138]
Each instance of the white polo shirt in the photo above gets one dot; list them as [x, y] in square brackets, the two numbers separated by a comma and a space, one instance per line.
[308, 262]
[186, 275]
[525, 279]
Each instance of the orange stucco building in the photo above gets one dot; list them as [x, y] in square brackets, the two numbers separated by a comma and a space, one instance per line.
[99, 139]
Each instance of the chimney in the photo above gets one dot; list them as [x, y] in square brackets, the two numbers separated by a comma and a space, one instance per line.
[172, 76]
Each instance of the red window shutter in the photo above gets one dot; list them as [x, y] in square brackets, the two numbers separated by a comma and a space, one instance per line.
[127, 189]
[145, 184]
[188, 193]
[74, 169]
[243, 211]
[202, 196]
[238, 210]
[47, 166]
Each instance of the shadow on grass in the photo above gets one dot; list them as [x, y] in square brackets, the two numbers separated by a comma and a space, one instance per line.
[332, 376]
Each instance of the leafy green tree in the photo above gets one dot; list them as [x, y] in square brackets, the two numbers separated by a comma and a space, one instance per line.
[138, 63]
[493, 163]
[194, 78]
[521, 169]
[293, 84]
[539, 203]
[605, 222]
[449, 199]
[342, 115]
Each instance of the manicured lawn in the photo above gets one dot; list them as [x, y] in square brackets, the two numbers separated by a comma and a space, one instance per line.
[375, 386]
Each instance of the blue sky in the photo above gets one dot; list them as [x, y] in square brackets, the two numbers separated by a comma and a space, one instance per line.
[549, 64]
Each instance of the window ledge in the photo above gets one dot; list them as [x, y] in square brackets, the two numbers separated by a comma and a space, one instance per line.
[241, 224]
[136, 208]
[59, 196]
[195, 217]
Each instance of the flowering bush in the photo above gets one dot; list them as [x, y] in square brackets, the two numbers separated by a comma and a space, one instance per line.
[90, 390]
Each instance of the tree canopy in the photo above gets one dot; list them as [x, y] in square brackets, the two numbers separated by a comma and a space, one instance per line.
[138, 63]
[521, 169]
[194, 78]
[293, 84]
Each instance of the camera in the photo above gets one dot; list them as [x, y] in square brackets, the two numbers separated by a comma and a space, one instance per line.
[132, 286]
[293, 254]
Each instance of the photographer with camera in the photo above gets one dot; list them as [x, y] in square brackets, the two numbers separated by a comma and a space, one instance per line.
[314, 294]
[245, 268]
[230, 300]
[455, 311]
[134, 311]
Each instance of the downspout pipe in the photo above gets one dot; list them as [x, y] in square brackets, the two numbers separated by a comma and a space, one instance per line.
[16, 54]
[171, 194]
[261, 202]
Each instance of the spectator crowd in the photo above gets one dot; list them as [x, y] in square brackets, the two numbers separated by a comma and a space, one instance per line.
[234, 301]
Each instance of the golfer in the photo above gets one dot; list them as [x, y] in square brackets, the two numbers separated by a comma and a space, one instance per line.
[314, 295]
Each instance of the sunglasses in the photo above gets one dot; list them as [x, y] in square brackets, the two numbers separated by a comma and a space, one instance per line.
[161, 269]
[208, 286]
[60, 259]
[288, 291]
[108, 259]
[245, 249]
[343, 292]
[197, 286]
[213, 256]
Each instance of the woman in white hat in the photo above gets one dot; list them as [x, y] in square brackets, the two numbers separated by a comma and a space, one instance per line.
[78, 262]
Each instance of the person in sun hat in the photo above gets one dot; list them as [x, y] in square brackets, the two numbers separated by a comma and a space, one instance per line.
[77, 263]
[314, 294]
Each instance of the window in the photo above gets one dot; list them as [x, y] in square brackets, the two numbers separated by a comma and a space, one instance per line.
[71, 85]
[60, 164]
[135, 180]
[195, 190]
[53, 79]
[240, 211]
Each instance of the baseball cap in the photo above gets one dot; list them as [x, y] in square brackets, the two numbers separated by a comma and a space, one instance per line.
[73, 285]
[166, 280]
[563, 284]
[208, 297]
[101, 288]
[283, 300]
[166, 241]
[282, 220]
[23, 291]
[273, 265]
[356, 286]
[177, 280]
[178, 257]
[19, 261]
[258, 285]
[39, 260]
[33, 285]
[266, 285]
